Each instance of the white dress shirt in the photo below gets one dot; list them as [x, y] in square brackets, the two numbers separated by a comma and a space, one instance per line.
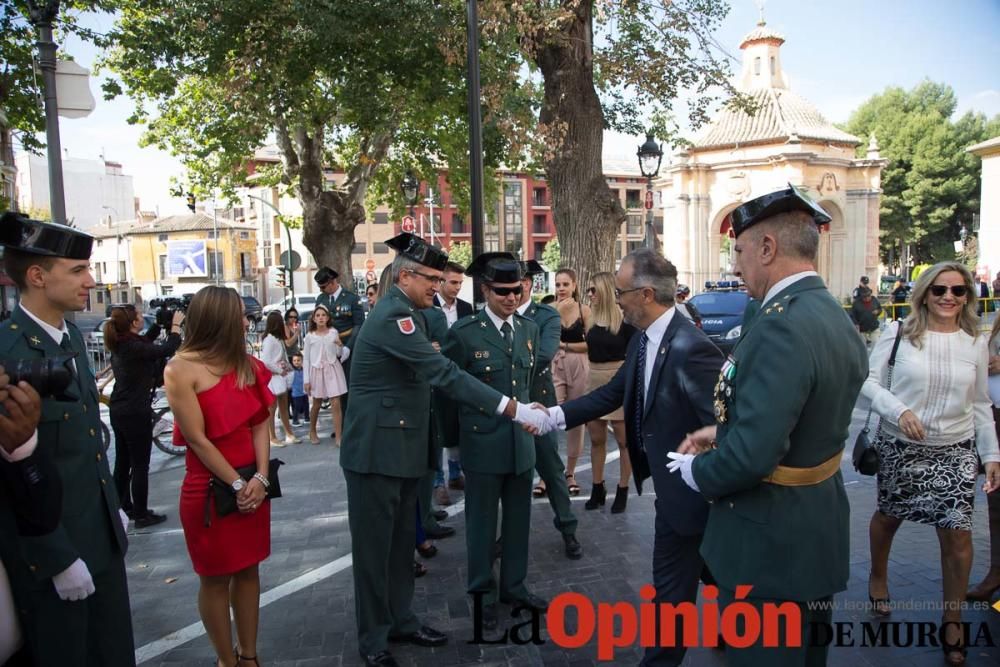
[450, 312]
[654, 332]
[785, 282]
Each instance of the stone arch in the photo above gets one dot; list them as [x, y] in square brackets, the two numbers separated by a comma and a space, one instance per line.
[721, 228]
[832, 244]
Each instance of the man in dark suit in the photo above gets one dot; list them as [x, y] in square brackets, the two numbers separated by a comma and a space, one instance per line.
[779, 515]
[666, 386]
[69, 584]
[453, 309]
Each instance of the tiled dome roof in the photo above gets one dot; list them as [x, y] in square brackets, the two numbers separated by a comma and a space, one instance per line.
[762, 32]
[781, 116]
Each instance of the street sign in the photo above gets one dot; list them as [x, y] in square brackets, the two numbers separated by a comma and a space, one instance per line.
[370, 277]
[649, 200]
[296, 260]
[408, 225]
[369, 265]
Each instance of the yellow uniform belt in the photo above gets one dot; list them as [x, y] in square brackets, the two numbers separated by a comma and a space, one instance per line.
[785, 476]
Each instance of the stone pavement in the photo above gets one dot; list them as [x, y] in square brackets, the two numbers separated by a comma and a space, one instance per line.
[308, 613]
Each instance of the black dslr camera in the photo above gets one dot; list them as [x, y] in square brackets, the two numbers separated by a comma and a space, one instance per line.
[49, 377]
[167, 306]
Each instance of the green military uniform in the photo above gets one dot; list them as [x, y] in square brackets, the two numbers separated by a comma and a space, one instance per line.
[442, 423]
[783, 404]
[98, 630]
[548, 463]
[497, 455]
[386, 450]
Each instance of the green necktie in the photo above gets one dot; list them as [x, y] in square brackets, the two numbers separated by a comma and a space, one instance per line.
[508, 335]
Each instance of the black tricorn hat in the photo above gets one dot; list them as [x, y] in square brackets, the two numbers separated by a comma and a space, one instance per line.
[48, 239]
[325, 275]
[415, 248]
[766, 206]
[496, 267]
[531, 267]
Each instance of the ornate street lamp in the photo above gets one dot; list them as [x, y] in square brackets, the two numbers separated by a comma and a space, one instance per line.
[650, 156]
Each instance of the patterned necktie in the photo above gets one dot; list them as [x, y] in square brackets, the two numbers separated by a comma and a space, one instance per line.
[508, 335]
[640, 390]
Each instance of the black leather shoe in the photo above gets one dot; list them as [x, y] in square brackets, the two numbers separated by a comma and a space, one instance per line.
[380, 659]
[491, 617]
[151, 519]
[530, 601]
[425, 636]
[440, 515]
[439, 532]
[573, 549]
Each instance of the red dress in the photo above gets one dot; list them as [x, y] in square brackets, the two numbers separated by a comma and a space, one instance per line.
[235, 541]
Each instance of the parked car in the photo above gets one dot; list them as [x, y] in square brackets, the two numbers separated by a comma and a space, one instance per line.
[253, 309]
[300, 303]
[722, 311]
[97, 335]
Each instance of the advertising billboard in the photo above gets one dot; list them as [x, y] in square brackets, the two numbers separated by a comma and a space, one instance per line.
[187, 259]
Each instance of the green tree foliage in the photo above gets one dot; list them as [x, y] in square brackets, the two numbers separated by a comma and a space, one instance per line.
[931, 186]
[460, 252]
[552, 256]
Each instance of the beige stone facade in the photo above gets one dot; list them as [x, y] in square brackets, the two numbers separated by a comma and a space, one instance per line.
[739, 157]
[989, 218]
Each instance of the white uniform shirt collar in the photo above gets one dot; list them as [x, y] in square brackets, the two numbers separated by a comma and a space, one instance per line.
[55, 333]
[497, 321]
[523, 308]
[336, 295]
[785, 282]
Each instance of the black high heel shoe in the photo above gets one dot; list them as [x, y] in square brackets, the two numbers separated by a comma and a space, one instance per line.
[621, 499]
[880, 606]
[598, 495]
[954, 654]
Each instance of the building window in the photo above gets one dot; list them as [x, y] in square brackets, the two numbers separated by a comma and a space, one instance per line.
[122, 278]
[266, 252]
[381, 218]
[162, 238]
[540, 225]
[539, 249]
[98, 274]
[381, 248]
[538, 197]
[436, 223]
[246, 266]
[633, 199]
[100, 295]
[167, 290]
[212, 234]
[163, 267]
[772, 65]
[756, 66]
[244, 236]
[634, 224]
[216, 267]
[512, 218]
[124, 296]
[358, 248]
[457, 224]
[99, 243]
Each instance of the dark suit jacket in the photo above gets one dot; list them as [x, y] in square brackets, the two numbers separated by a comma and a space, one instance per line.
[680, 401]
[464, 307]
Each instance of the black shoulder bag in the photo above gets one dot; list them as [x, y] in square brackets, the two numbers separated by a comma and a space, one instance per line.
[224, 496]
[865, 457]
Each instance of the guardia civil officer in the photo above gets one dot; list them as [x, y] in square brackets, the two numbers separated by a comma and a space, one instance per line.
[386, 445]
[548, 463]
[778, 519]
[498, 347]
[69, 584]
[346, 315]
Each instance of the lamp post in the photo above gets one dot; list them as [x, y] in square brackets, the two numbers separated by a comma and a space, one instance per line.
[411, 189]
[291, 276]
[650, 155]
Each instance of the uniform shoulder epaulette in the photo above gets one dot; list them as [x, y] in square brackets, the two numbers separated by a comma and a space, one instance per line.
[463, 322]
[778, 306]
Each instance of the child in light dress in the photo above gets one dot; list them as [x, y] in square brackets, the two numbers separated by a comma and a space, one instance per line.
[322, 372]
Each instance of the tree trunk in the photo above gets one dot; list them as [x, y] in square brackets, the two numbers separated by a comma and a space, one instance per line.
[329, 216]
[587, 214]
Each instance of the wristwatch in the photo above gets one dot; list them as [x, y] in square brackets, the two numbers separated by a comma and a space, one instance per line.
[238, 484]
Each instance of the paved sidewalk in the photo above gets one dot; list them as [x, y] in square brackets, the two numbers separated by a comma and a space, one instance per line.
[308, 612]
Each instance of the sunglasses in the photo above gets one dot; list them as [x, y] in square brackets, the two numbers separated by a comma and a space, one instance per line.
[591, 290]
[506, 291]
[956, 290]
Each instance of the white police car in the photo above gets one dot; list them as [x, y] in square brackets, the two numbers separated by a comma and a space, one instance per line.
[721, 306]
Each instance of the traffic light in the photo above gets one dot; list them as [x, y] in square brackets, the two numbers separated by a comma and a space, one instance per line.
[190, 202]
[280, 276]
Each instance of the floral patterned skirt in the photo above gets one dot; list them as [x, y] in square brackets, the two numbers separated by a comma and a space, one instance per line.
[932, 484]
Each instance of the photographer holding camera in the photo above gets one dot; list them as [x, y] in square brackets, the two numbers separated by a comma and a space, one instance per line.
[137, 362]
[69, 585]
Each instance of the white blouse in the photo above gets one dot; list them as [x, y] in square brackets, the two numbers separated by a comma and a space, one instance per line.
[272, 353]
[944, 384]
[317, 348]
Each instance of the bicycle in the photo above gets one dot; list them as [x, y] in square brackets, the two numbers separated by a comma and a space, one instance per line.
[163, 419]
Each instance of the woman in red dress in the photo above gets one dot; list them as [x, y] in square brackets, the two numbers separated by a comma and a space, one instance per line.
[220, 401]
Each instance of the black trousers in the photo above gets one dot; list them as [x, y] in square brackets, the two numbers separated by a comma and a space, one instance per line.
[133, 445]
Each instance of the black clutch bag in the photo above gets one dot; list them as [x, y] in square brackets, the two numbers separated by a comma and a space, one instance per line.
[225, 498]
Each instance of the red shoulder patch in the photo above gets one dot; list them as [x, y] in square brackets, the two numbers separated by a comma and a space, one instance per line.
[406, 325]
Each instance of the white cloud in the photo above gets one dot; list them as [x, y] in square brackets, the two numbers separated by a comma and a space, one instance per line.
[987, 101]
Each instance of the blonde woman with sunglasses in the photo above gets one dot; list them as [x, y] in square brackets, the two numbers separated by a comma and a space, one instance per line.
[936, 417]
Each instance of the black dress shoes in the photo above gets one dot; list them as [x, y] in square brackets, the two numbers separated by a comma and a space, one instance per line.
[439, 532]
[573, 549]
[149, 519]
[440, 515]
[531, 601]
[425, 636]
[380, 659]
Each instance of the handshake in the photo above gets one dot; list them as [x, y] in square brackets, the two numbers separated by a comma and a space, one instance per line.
[536, 419]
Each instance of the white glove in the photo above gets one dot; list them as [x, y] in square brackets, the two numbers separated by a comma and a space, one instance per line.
[124, 518]
[345, 353]
[532, 417]
[683, 462]
[75, 582]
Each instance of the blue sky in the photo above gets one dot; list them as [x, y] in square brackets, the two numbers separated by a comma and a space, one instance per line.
[836, 54]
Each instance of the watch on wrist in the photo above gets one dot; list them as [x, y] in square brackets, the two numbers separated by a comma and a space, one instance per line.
[238, 485]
